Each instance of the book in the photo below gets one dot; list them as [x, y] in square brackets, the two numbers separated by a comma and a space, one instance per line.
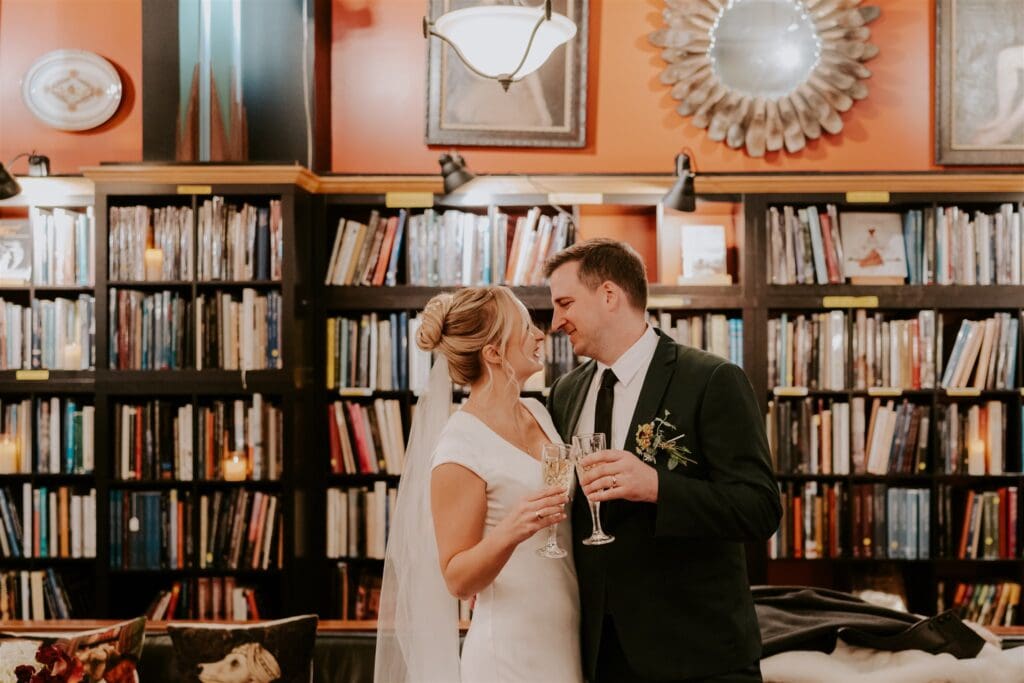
[873, 246]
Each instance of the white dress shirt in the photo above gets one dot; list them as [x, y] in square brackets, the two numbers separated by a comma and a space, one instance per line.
[630, 369]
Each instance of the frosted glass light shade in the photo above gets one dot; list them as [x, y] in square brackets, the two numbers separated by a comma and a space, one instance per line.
[493, 39]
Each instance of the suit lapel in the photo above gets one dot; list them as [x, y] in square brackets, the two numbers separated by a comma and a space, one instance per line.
[659, 375]
[579, 396]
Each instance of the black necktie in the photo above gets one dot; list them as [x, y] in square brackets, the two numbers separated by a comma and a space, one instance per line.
[603, 408]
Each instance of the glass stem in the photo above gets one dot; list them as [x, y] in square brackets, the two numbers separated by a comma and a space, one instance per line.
[595, 518]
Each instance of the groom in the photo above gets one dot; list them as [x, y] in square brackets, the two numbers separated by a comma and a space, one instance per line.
[668, 600]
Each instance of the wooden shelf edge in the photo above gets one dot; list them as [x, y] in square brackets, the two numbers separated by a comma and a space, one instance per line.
[206, 175]
[645, 188]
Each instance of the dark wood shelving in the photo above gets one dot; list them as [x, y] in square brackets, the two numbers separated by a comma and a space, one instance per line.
[898, 297]
[413, 298]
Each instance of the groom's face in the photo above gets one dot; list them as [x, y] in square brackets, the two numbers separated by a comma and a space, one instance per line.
[578, 309]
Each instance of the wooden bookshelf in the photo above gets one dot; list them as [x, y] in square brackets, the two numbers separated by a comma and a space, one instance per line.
[311, 206]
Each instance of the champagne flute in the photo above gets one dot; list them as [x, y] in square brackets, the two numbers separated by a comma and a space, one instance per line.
[585, 444]
[556, 468]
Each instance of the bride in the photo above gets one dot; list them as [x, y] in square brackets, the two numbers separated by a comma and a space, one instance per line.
[469, 511]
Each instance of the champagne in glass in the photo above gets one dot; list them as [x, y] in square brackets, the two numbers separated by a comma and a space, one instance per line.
[556, 469]
[583, 445]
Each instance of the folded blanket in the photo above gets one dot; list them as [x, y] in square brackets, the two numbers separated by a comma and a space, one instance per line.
[851, 664]
[801, 618]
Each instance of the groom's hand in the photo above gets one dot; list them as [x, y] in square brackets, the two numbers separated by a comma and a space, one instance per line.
[612, 475]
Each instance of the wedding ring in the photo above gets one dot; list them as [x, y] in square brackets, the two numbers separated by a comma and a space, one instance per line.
[614, 481]
[538, 514]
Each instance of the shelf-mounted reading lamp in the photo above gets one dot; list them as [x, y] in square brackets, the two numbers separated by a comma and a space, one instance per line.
[502, 42]
[681, 197]
[454, 171]
[38, 166]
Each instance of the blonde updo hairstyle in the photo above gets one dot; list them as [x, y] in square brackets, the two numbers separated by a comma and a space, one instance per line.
[460, 324]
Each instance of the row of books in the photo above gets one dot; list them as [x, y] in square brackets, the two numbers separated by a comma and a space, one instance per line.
[373, 351]
[989, 349]
[816, 350]
[252, 427]
[988, 604]
[367, 253]
[239, 334]
[889, 352]
[60, 440]
[151, 529]
[819, 436]
[149, 331]
[859, 521]
[989, 530]
[135, 229]
[165, 530]
[240, 243]
[448, 249]
[941, 245]
[54, 247]
[52, 522]
[712, 332]
[972, 439]
[153, 440]
[234, 242]
[970, 248]
[155, 332]
[205, 598]
[33, 596]
[358, 519]
[240, 529]
[804, 246]
[57, 334]
[366, 439]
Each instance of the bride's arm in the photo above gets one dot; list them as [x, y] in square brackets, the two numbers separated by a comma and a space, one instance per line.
[470, 561]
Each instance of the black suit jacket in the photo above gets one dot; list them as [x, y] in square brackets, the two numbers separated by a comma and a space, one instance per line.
[675, 579]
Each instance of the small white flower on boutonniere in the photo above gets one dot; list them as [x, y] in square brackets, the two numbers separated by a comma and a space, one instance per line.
[650, 440]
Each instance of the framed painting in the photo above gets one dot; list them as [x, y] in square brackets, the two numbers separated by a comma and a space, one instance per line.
[545, 109]
[979, 84]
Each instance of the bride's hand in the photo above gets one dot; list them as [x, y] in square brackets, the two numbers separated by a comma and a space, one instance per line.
[533, 513]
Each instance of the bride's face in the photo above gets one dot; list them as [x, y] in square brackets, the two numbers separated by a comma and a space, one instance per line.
[526, 354]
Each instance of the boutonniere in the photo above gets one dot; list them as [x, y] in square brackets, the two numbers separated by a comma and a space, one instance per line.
[650, 440]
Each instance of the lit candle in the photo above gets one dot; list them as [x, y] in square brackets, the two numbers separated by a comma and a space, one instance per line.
[234, 468]
[72, 356]
[976, 457]
[8, 455]
[154, 265]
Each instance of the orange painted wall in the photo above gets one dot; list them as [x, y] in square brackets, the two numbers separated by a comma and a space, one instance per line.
[31, 28]
[379, 62]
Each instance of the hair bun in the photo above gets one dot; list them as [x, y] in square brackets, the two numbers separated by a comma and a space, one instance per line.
[432, 321]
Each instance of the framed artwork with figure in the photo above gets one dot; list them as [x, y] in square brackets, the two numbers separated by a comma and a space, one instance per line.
[979, 53]
[547, 108]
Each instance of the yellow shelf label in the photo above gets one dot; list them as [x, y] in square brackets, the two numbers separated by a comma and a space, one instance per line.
[32, 375]
[195, 189]
[867, 197]
[790, 391]
[668, 301]
[963, 391]
[575, 198]
[355, 391]
[408, 200]
[849, 302]
[885, 391]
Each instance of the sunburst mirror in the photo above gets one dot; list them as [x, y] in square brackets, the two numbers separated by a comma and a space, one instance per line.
[766, 74]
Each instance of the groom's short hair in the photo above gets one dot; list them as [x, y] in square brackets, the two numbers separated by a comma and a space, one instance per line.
[606, 260]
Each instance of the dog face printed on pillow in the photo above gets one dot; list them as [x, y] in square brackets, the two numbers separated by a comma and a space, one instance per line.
[246, 663]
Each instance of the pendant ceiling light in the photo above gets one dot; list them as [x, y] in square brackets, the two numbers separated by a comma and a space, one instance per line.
[502, 42]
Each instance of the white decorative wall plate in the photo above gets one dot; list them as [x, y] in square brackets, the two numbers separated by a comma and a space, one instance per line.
[72, 89]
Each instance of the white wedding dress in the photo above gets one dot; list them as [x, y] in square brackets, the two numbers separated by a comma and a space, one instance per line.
[525, 625]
